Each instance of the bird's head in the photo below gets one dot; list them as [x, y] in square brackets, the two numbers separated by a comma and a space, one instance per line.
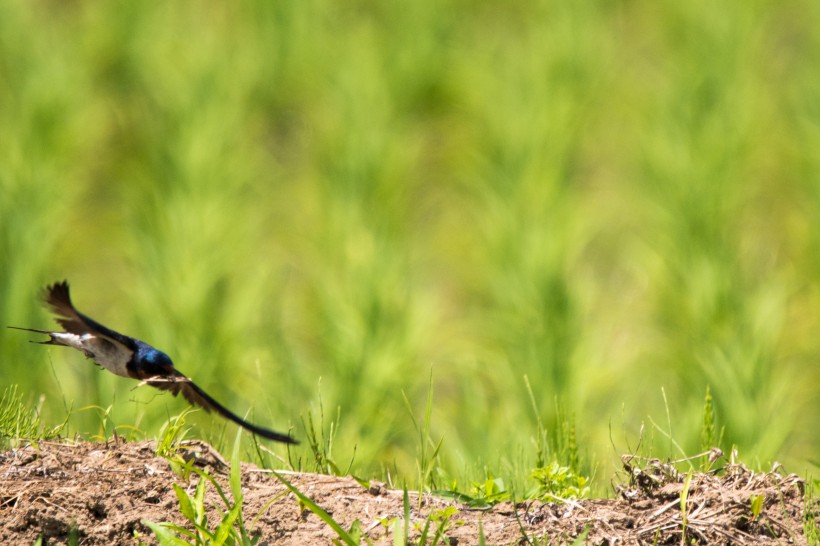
[155, 361]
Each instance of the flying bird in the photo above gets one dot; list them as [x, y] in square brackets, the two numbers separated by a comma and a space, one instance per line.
[132, 358]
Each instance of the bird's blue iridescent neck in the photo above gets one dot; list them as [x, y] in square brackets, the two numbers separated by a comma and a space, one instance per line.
[152, 361]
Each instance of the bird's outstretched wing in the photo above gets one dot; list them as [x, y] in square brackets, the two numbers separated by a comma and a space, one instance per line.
[178, 383]
[57, 297]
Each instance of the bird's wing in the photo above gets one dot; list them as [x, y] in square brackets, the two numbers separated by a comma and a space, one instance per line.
[178, 383]
[57, 296]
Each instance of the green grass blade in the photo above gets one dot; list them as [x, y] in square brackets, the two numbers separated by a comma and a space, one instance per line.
[226, 526]
[398, 534]
[406, 507]
[318, 510]
[164, 535]
[185, 504]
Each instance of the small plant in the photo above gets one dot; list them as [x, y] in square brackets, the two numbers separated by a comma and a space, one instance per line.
[482, 494]
[172, 433]
[559, 444]
[756, 505]
[321, 444]
[684, 497]
[104, 415]
[558, 483]
[230, 529]
[387, 523]
[811, 517]
[709, 439]
[443, 519]
[17, 421]
[427, 459]
[491, 491]
[707, 432]
[406, 509]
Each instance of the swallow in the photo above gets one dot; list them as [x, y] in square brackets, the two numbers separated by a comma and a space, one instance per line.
[129, 357]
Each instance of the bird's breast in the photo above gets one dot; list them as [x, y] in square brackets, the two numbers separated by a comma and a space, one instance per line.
[111, 356]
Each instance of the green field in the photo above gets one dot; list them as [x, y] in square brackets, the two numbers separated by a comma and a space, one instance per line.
[319, 206]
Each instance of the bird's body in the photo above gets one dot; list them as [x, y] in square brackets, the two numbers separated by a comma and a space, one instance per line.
[129, 357]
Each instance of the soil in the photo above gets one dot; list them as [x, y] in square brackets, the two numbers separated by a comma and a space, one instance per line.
[102, 494]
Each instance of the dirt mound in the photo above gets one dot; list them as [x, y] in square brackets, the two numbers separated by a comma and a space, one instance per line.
[105, 492]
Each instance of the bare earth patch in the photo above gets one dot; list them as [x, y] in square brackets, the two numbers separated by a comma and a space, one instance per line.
[106, 491]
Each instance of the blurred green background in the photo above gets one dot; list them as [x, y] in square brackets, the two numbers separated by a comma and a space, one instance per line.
[314, 200]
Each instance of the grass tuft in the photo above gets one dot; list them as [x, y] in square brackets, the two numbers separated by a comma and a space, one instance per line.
[19, 422]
